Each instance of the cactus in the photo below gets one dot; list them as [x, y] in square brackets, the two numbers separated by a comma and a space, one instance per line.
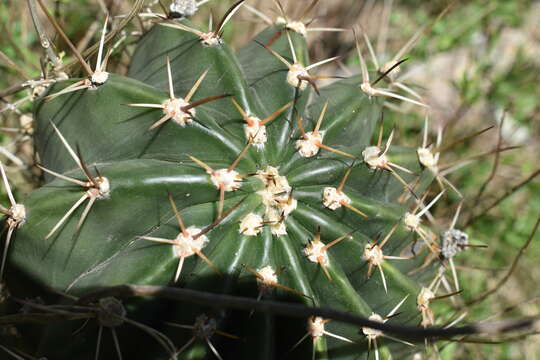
[229, 173]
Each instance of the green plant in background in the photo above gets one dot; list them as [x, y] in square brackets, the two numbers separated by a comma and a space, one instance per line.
[223, 172]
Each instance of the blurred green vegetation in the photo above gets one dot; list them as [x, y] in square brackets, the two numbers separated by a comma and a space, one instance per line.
[506, 227]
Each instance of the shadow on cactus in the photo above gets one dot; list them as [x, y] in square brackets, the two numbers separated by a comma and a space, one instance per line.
[225, 173]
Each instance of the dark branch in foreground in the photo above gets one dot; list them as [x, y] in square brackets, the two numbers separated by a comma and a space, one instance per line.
[302, 311]
[40, 318]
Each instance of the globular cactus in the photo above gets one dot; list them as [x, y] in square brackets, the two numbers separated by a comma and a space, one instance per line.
[230, 173]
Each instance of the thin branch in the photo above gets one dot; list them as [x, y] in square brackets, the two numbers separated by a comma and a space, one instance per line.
[495, 167]
[508, 193]
[10, 63]
[64, 37]
[302, 311]
[510, 271]
[513, 307]
[44, 39]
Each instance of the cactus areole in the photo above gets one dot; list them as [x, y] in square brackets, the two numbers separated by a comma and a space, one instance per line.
[198, 201]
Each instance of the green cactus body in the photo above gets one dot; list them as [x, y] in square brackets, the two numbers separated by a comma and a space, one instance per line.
[271, 213]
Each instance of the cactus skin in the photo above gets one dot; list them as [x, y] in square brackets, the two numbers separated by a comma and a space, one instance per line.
[143, 167]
